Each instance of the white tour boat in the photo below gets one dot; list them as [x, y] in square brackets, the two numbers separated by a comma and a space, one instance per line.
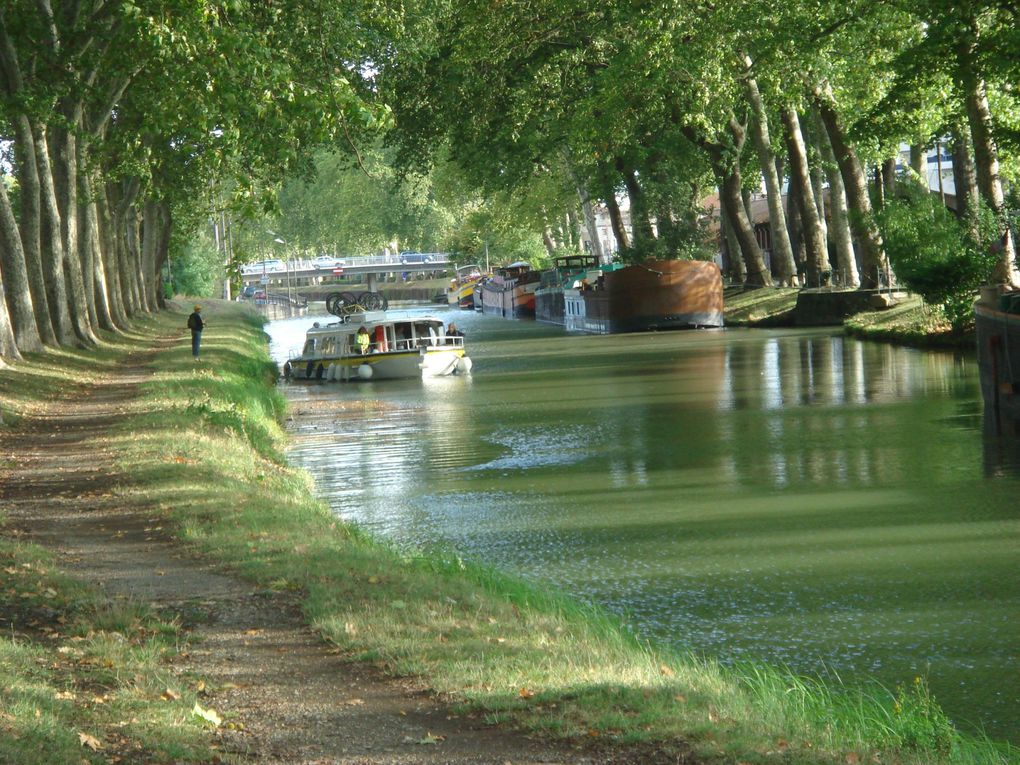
[373, 346]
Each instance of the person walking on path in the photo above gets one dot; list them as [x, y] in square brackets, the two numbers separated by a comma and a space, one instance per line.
[196, 325]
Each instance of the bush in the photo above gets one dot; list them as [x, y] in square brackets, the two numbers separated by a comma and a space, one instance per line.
[934, 254]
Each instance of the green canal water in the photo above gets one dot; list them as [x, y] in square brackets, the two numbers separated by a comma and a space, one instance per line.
[794, 497]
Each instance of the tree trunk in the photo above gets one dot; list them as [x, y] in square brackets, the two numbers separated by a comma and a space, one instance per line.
[133, 248]
[839, 224]
[734, 261]
[818, 269]
[152, 233]
[964, 175]
[782, 251]
[66, 180]
[919, 163]
[160, 252]
[53, 247]
[818, 186]
[15, 279]
[587, 211]
[889, 177]
[640, 225]
[92, 243]
[862, 221]
[30, 227]
[573, 230]
[8, 345]
[616, 219]
[108, 250]
[547, 240]
[126, 239]
[754, 262]
[797, 234]
[986, 162]
[666, 227]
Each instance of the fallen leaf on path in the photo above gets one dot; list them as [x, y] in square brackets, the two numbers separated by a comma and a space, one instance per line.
[207, 714]
[91, 742]
[431, 738]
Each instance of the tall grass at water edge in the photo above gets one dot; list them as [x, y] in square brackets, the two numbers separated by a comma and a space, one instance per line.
[204, 444]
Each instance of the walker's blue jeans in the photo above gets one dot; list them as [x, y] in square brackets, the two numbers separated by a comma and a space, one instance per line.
[196, 341]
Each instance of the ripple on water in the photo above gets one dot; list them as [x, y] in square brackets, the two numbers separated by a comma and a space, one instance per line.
[538, 446]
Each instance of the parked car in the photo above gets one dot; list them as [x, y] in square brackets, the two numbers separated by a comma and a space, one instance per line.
[328, 261]
[249, 291]
[264, 266]
[410, 256]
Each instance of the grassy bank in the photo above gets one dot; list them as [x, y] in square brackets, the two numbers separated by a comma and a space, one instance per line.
[204, 445]
[909, 322]
[97, 688]
[759, 306]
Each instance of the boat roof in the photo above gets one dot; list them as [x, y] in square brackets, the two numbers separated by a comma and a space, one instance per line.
[371, 318]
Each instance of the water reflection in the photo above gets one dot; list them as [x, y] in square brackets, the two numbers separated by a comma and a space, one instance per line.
[794, 496]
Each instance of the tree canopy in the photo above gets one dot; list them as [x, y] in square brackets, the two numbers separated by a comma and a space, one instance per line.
[128, 124]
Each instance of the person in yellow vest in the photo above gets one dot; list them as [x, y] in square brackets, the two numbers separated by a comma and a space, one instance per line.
[362, 340]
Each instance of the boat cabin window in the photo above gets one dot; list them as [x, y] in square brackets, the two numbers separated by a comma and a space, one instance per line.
[309, 347]
[403, 336]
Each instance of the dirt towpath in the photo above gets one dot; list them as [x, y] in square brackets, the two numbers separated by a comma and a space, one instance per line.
[294, 700]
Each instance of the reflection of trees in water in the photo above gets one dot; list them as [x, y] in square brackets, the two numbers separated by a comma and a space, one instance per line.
[826, 411]
[664, 420]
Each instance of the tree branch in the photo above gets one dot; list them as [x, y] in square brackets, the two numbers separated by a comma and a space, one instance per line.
[51, 23]
[114, 95]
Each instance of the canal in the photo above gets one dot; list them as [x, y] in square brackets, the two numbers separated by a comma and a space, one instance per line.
[788, 496]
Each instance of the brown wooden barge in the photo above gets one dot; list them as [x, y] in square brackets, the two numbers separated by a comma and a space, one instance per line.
[654, 295]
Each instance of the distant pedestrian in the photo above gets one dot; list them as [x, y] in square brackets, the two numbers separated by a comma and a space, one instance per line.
[196, 325]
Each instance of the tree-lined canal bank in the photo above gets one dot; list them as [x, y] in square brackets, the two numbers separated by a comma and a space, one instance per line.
[195, 449]
[795, 497]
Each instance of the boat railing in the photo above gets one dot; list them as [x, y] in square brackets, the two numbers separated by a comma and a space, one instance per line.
[401, 344]
[404, 344]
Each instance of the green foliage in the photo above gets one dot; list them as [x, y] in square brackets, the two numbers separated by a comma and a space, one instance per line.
[937, 256]
[196, 268]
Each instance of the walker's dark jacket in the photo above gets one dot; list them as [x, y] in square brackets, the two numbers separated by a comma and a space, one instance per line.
[195, 322]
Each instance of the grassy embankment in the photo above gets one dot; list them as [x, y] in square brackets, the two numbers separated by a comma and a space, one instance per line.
[205, 445]
[910, 322]
[84, 678]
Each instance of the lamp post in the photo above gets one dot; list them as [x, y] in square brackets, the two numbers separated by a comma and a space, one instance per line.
[286, 263]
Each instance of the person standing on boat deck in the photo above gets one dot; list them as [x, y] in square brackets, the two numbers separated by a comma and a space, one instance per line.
[196, 325]
[362, 340]
[452, 331]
